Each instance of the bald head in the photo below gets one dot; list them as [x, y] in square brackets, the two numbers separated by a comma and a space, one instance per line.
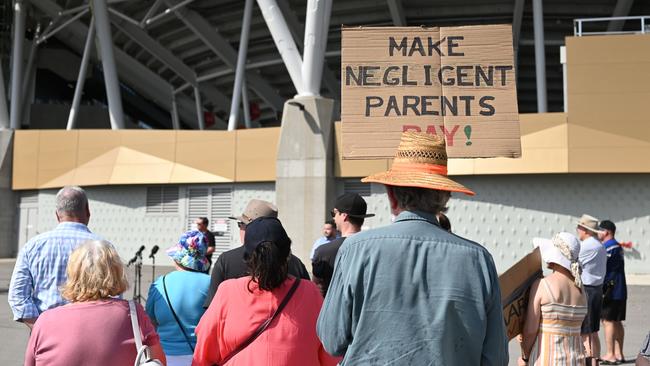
[72, 205]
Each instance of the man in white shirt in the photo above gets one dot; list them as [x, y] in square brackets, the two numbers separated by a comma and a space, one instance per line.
[593, 259]
[330, 233]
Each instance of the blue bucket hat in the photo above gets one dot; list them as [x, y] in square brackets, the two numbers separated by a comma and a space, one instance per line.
[190, 251]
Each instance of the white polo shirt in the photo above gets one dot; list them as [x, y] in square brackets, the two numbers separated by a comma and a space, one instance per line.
[593, 258]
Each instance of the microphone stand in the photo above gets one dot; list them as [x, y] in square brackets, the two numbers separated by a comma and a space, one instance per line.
[153, 268]
[137, 281]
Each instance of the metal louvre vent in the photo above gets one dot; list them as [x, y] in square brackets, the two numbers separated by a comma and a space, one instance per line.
[162, 199]
[219, 212]
[354, 186]
[216, 205]
[29, 197]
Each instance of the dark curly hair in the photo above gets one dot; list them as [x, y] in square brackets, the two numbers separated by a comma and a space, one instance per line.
[268, 265]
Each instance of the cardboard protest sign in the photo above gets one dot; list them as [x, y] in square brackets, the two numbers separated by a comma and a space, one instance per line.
[515, 287]
[456, 82]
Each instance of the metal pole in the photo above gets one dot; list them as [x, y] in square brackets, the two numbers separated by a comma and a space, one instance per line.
[564, 78]
[17, 63]
[175, 121]
[29, 86]
[540, 56]
[4, 115]
[241, 66]
[246, 106]
[81, 79]
[316, 27]
[29, 69]
[283, 41]
[103, 31]
[199, 109]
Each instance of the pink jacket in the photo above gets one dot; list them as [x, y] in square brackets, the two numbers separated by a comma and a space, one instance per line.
[235, 313]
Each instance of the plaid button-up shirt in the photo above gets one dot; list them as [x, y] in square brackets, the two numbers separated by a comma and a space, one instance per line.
[41, 269]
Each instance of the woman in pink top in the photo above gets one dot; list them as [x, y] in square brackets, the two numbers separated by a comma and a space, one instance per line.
[241, 305]
[95, 328]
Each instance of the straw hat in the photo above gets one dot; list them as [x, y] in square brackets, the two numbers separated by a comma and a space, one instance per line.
[590, 223]
[420, 161]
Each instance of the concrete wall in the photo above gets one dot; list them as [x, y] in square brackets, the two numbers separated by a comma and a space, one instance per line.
[8, 202]
[119, 214]
[507, 212]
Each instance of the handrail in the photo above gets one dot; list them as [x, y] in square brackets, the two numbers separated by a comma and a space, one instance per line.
[579, 32]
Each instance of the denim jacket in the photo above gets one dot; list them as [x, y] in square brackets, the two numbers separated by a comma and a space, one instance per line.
[413, 294]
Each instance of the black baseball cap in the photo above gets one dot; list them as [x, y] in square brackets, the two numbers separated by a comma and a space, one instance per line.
[607, 225]
[265, 229]
[353, 205]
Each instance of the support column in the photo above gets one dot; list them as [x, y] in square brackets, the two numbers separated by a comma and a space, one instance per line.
[4, 113]
[283, 41]
[29, 85]
[199, 109]
[103, 31]
[241, 66]
[17, 63]
[316, 28]
[304, 169]
[540, 56]
[175, 120]
[565, 89]
[246, 106]
[8, 198]
[81, 79]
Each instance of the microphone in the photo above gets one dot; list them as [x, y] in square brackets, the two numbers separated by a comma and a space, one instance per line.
[154, 250]
[139, 252]
[137, 255]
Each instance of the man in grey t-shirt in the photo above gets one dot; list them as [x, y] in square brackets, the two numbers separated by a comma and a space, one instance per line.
[593, 259]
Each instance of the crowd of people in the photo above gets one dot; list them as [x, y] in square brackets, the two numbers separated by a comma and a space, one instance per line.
[410, 293]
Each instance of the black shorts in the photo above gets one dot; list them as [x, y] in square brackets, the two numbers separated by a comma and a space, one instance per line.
[591, 324]
[613, 310]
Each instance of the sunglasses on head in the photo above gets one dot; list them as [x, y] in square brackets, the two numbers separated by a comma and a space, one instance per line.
[241, 225]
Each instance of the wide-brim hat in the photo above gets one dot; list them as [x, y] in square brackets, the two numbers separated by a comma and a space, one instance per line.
[590, 223]
[256, 209]
[562, 249]
[420, 161]
[190, 251]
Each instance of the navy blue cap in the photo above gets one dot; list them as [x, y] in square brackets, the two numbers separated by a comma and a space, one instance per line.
[265, 229]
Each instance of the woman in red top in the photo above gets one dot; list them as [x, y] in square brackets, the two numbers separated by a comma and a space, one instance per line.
[241, 305]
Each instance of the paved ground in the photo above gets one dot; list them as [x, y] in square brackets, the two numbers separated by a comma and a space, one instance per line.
[15, 335]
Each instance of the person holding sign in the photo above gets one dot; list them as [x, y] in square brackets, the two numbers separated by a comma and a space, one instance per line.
[557, 306]
[412, 293]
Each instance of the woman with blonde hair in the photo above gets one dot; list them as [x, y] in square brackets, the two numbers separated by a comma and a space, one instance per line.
[95, 327]
[556, 307]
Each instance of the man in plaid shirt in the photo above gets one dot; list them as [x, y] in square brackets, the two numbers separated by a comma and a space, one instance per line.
[41, 266]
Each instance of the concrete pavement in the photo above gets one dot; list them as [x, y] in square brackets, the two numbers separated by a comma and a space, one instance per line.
[15, 335]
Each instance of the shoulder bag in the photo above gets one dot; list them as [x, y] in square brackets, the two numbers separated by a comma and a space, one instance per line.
[143, 357]
[178, 321]
[262, 326]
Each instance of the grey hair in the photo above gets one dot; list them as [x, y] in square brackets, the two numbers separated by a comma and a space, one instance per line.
[71, 200]
[421, 199]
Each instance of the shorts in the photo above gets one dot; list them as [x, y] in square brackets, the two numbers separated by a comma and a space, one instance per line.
[613, 310]
[591, 324]
[645, 347]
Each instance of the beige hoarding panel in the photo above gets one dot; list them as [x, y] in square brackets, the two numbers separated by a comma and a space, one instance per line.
[25, 160]
[608, 93]
[256, 152]
[204, 157]
[57, 157]
[456, 82]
